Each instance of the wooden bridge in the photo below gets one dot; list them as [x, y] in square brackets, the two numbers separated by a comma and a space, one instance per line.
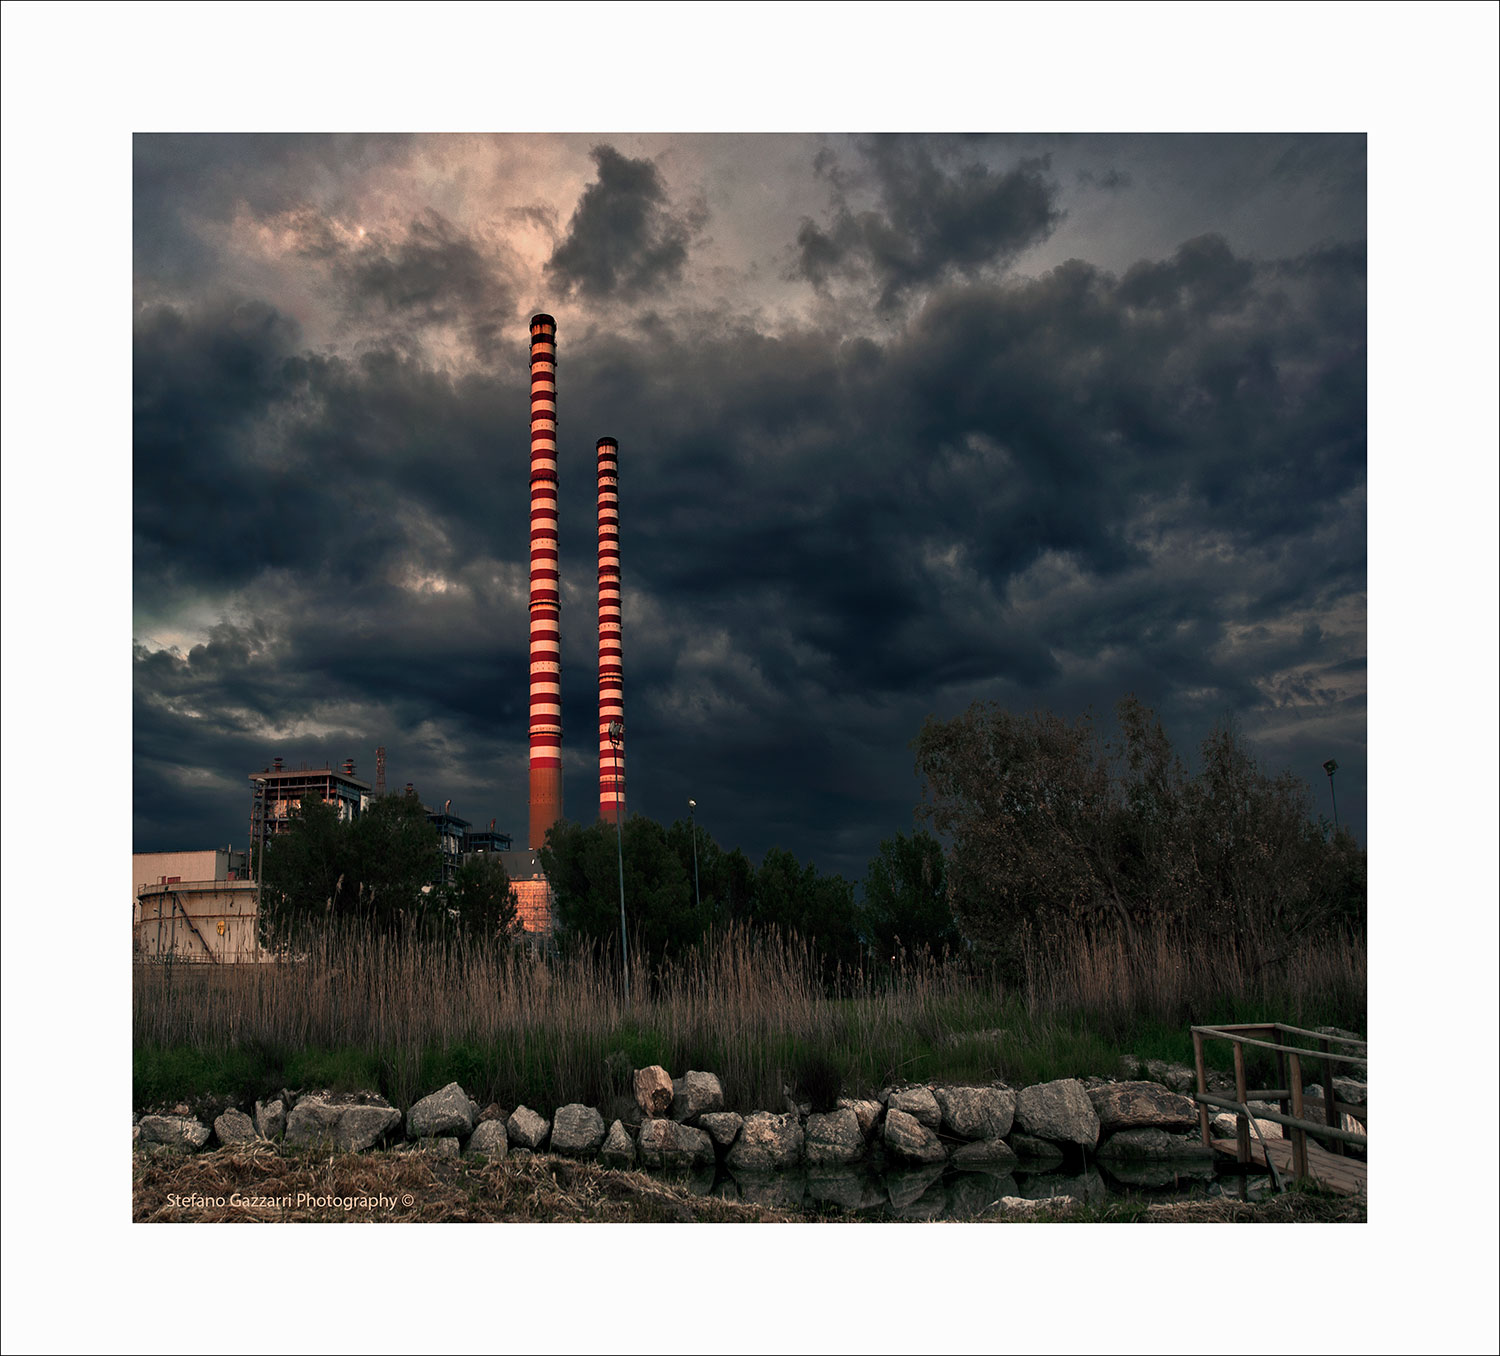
[1292, 1157]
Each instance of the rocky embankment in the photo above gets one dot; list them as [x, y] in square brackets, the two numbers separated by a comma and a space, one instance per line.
[1134, 1127]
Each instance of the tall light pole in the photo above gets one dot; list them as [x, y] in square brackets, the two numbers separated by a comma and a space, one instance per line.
[1330, 767]
[616, 738]
[693, 825]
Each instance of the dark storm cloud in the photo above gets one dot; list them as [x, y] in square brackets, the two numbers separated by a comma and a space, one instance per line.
[433, 275]
[624, 238]
[931, 218]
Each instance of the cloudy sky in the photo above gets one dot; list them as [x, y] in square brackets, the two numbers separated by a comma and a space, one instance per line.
[905, 422]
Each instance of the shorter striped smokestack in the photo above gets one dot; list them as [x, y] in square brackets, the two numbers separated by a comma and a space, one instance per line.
[611, 655]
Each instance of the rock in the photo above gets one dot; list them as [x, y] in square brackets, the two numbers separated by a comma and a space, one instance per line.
[989, 1153]
[182, 1132]
[618, 1150]
[833, 1137]
[976, 1113]
[234, 1127]
[1224, 1126]
[270, 1120]
[448, 1111]
[722, 1126]
[669, 1144]
[1153, 1143]
[918, 1102]
[767, 1141]
[867, 1113]
[1351, 1090]
[1139, 1106]
[653, 1090]
[312, 1122]
[1059, 1111]
[694, 1094]
[1033, 1149]
[526, 1129]
[493, 1112]
[577, 1131]
[846, 1189]
[907, 1138]
[488, 1140]
[360, 1127]
[1177, 1077]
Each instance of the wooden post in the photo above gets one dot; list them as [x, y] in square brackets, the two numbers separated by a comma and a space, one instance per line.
[1283, 1073]
[1241, 1125]
[1202, 1085]
[1330, 1100]
[1299, 1136]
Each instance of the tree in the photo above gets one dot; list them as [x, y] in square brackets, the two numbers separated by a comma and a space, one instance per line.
[1052, 831]
[820, 909]
[482, 899]
[372, 868]
[906, 898]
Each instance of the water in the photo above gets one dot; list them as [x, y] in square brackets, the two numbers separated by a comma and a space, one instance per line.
[940, 1191]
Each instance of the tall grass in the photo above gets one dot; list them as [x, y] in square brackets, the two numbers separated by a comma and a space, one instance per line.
[407, 1014]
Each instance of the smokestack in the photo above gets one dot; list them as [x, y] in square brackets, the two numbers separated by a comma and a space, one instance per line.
[611, 656]
[546, 655]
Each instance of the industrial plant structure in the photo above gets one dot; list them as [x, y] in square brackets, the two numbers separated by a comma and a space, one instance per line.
[544, 725]
[611, 653]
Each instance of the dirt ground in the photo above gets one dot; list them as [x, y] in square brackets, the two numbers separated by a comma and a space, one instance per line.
[250, 1184]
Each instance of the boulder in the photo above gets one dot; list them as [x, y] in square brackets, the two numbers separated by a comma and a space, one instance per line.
[618, 1150]
[312, 1122]
[908, 1139]
[767, 1141]
[526, 1129]
[722, 1126]
[183, 1132]
[867, 1113]
[448, 1111]
[270, 1119]
[845, 1189]
[833, 1137]
[577, 1131]
[1351, 1090]
[669, 1144]
[488, 1140]
[986, 1153]
[905, 1188]
[695, 1093]
[1034, 1150]
[1059, 1111]
[1024, 1205]
[360, 1127]
[1153, 1143]
[918, 1102]
[1177, 1077]
[976, 1113]
[493, 1112]
[1225, 1126]
[439, 1146]
[1142, 1106]
[653, 1090]
[234, 1127]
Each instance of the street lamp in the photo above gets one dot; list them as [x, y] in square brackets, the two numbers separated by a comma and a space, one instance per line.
[693, 825]
[616, 737]
[1330, 767]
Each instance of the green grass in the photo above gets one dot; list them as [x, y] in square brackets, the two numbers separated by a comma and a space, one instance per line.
[400, 1017]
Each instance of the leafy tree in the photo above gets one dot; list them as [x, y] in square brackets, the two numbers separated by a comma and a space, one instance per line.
[1051, 830]
[372, 868]
[820, 909]
[483, 900]
[906, 898]
[583, 865]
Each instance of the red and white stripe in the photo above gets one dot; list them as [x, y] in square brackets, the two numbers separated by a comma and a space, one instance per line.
[611, 656]
[545, 725]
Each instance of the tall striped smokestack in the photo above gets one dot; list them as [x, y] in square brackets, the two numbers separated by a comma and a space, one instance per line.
[545, 727]
[611, 656]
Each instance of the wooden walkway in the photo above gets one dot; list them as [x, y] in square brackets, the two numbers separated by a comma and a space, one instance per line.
[1347, 1176]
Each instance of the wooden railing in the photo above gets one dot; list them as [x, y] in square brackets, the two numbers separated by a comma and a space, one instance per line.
[1279, 1038]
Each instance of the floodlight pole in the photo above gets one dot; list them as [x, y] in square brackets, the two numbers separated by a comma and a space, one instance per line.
[693, 825]
[1330, 767]
[616, 736]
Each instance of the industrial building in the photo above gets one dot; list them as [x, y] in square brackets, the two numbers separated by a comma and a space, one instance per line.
[279, 791]
[194, 906]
